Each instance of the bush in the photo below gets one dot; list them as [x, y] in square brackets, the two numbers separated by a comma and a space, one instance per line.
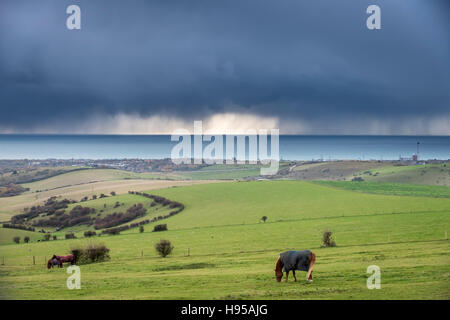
[46, 236]
[16, 239]
[70, 236]
[264, 218]
[113, 193]
[141, 229]
[160, 227]
[89, 234]
[26, 239]
[90, 254]
[164, 248]
[358, 179]
[55, 238]
[327, 241]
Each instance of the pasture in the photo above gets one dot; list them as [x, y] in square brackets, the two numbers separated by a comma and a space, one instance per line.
[232, 253]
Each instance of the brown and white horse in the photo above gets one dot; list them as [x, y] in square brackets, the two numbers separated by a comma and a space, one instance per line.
[279, 269]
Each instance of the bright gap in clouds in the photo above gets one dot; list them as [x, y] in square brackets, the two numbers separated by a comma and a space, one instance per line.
[237, 123]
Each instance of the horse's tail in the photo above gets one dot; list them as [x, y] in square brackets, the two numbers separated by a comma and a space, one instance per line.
[49, 264]
[312, 261]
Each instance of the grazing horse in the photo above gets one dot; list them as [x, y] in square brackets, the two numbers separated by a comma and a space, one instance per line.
[295, 260]
[59, 260]
[54, 262]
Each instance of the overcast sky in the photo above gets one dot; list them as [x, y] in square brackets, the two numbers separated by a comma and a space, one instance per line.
[304, 66]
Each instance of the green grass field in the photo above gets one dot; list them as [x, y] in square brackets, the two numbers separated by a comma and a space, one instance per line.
[399, 189]
[232, 253]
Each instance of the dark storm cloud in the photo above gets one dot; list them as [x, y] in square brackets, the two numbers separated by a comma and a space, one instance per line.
[290, 59]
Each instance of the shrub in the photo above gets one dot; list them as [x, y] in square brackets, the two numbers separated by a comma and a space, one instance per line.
[141, 229]
[26, 239]
[92, 253]
[164, 248]
[160, 227]
[357, 179]
[55, 238]
[113, 193]
[70, 236]
[327, 241]
[16, 239]
[46, 236]
[264, 218]
[89, 234]
[94, 197]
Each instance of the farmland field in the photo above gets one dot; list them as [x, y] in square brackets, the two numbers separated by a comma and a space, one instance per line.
[392, 188]
[232, 252]
[14, 205]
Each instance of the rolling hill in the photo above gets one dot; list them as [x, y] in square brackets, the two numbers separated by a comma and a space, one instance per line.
[232, 253]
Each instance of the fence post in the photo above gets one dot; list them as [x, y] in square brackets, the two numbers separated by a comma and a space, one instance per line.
[446, 237]
[189, 252]
[34, 260]
[3, 263]
[142, 253]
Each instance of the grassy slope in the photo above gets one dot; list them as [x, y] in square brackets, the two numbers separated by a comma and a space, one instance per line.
[431, 174]
[13, 205]
[27, 175]
[80, 177]
[6, 235]
[208, 205]
[125, 200]
[235, 260]
[400, 189]
[332, 170]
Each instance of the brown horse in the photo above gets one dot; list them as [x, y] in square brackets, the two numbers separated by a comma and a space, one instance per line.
[59, 260]
[295, 260]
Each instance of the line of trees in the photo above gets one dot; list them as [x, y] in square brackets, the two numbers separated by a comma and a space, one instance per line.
[50, 207]
[17, 226]
[115, 219]
[78, 215]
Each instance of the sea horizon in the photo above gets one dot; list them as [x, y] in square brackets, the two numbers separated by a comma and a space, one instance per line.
[153, 146]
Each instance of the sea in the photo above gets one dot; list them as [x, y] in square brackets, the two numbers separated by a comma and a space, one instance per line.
[291, 147]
